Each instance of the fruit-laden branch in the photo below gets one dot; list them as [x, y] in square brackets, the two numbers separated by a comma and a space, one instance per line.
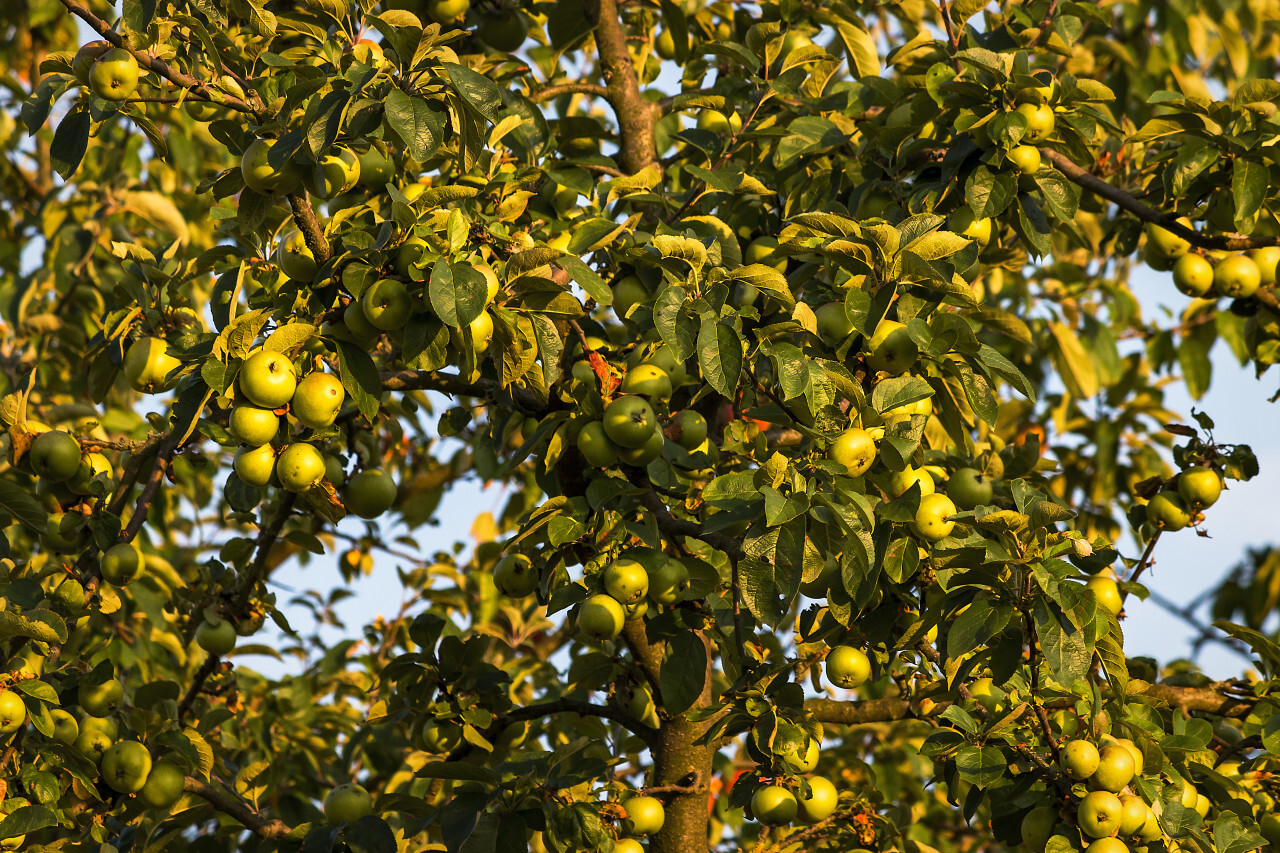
[636, 117]
[550, 709]
[305, 218]
[1146, 213]
[1222, 698]
[455, 385]
[159, 66]
[224, 802]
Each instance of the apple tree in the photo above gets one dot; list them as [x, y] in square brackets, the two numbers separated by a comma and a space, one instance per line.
[800, 339]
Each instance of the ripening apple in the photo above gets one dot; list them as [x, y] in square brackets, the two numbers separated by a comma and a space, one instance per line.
[1079, 759]
[820, 799]
[1107, 845]
[55, 456]
[933, 518]
[1167, 510]
[629, 421]
[848, 667]
[833, 323]
[1193, 275]
[317, 400]
[255, 465]
[481, 329]
[669, 583]
[253, 425]
[65, 727]
[1167, 244]
[1133, 814]
[386, 304]
[1099, 814]
[969, 488]
[964, 223]
[645, 815]
[296, 259]
[1107, 592]
[94, 468]
[805, 761]
[13, 712]
[624, 845]
[626, 580]
[1200, 487]
[86, 56]
[855, 449]
[600, 617]
[1037, 827]
[596, 447]
[336, 173]
[164, 786]
[268, 379]
[147, 365]
[126, 765]
[1267, 258]
[217, 638]
[892, 349]
[1040, 121]
[647, 380]
[114, 75]
[261, 176]
[1237, 277]
[300, 466]
[447, 11]
[718, 123]
[1025, 158]
[514, 576]
[774, 805]
[1133, 751]
[691, 429]
[1115, 769]
[369, 493]
[764, 250]
[347, 804]
[902, 481]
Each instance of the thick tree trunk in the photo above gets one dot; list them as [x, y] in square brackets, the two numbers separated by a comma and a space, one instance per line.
[680, 760]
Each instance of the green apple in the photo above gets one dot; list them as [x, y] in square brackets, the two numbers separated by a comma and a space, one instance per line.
[300, 466]
[855, 449]
[114, 75]
[629, 422]
[669, 583]
[1040, 121]
[1025, 158]
[317, 400]
[1167, 510]
[1193, 275]
[969, 488]
[55, 456]
[1133, 814]
[892, 349]
[933, 518]
[439, 736]
[1267, 259]
[261, 176]
[645, 815]
[13, 712]
[94, 467]
[645, 453]
[1107, 845]
[86, 56]
[690, 429]
[1133, 751]
[1200, 487]
[93, 744]
[347, 804]
[718, 123]
[596, 447]
[806, 761]
[774, 805]
[819, 800]
[1167, 244]
[147, 365]
[255, 465]
[964, 223]
[253, 425]
[386, 304]
[65, 727]
[217, 638]
[268, 379]
[833, 323]
[65, 532]
[1079, 759]
[1115, 769]
[369, 493]
[1237, 277]
[600, 617]
[626, 580]
[376, 168]
[164, 786]
[514, 576]
[504, 31]
[647, 380]
[336, 173]
[665, 45]
[1037, 827]
[447, 11]
[628, 292]
[1107, 592]
[1099, 814]
[902, 481]
[296, 259]
[126, 765]
[358, 326]
[848, 667]
[985, 692]
[763, 250]
[121, 563]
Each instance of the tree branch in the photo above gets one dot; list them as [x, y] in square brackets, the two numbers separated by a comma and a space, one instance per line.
[159, 66]
[226, 803]
[455, 385]
[635, 115]
[1127, 201]
[305, 218]
[546, 93]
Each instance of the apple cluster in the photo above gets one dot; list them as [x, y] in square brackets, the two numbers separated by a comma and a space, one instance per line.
[630, 586]
[1210, 274]
[110, 72]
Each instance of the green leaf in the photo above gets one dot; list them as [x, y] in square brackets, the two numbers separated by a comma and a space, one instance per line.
[479, 92]
[1248, 188]
[19, 503]
[25, 820]
[982, 765]
[43, 625]
[1064, 646]
[360, 377]
[988, 193]
[1266, 649]
[720, 357]
[1111, 654]
[419, 127]
[70, 141]
[899, 391]
[672, 319]
[684, 672]
[370, 834]
[1073, 363]
[37, 689]
[458, 293]
[1231, 836]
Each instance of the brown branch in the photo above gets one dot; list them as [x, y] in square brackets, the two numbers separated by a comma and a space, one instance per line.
[550, 709]
[1127, 201]
[1045, 24]
[814, 830]
[636, 118]
[257, 571]
[197, 683]
[305, 218]
[546, 93]
[229, 804]
[455, 385]
[1146, 562]
[159, 66]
